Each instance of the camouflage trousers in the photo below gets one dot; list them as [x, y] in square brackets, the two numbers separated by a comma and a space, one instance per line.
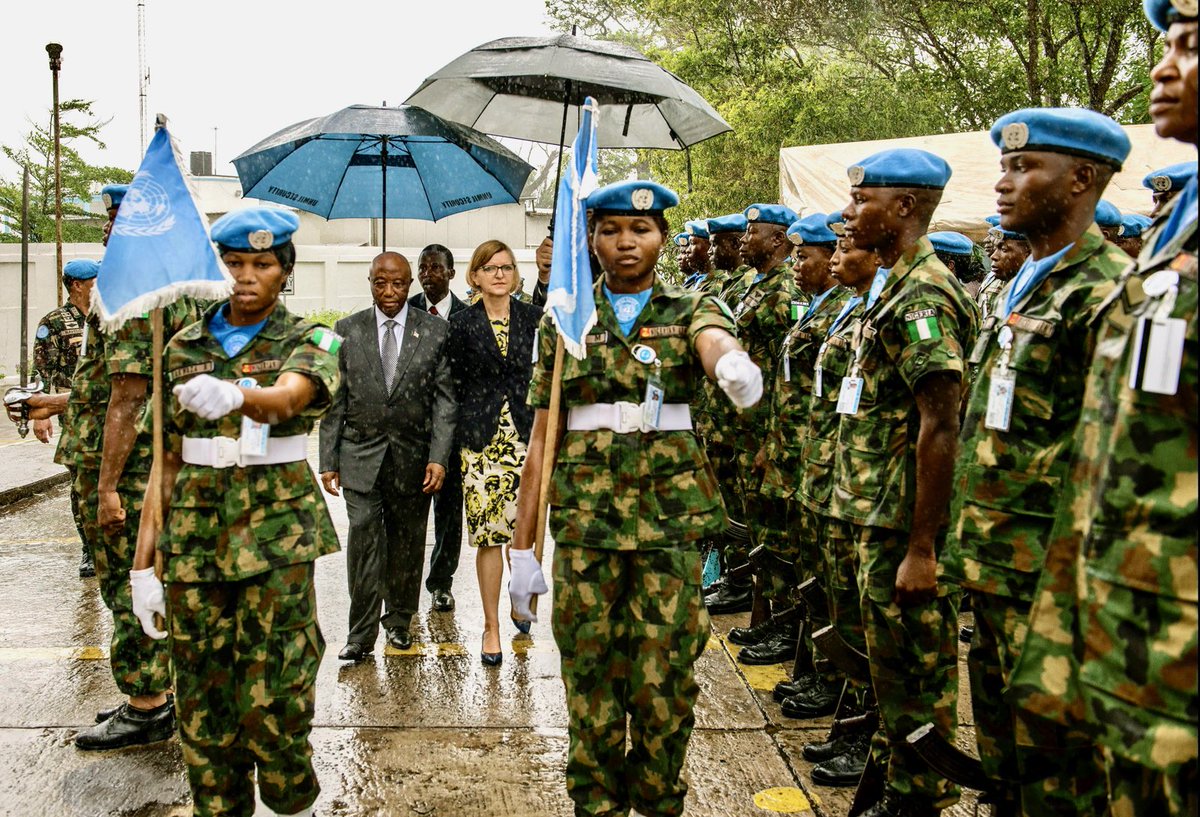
[769, 523]
[630, 626]
[246, 655]
[913, 653]
[806, 532]
[140, 665]
[1135, 790]
[724, 465]
[1062, 764]
[77, 514]
[839, 578]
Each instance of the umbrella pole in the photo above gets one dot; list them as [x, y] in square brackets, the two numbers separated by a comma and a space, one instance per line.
[562, 142]
[383, 158]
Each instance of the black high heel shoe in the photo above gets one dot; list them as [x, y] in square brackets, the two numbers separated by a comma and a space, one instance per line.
[491, 659]
[522, 625]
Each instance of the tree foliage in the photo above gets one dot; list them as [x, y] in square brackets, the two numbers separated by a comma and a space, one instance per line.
[802, 72]
[79, 125]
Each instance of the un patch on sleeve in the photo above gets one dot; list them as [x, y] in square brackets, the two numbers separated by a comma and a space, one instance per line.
[43, 332]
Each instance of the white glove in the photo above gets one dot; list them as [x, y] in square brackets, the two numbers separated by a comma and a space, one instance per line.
[525, 582]
[148, 599]
[739, 378]
[208, 396]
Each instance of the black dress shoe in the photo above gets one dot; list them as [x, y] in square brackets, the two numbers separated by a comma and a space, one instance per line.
[845, 769]
[749, 636]
[730, 598]
[780, 647]
[87, 568]
[787, 689]
[105, 714]
[443, 601]
[354, 651]
[129, 727]
[817, 702]
[966, 633]
[400, 638]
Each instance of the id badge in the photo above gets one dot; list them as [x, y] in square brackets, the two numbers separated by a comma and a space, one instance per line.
[652, 403]
[1157, 355]
[818, 389]
[787, 367]
[850, 395]
[253, 441]
[1000, 401]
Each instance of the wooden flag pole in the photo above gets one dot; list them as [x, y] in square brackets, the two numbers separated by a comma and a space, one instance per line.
[156, 469]
[549, 454]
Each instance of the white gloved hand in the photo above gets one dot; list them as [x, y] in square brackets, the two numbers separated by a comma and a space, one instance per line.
[208, 396]
[525, 582]
[148, 599]
[739, 378]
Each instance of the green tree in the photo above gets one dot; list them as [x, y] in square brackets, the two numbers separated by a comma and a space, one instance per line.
[79, 125]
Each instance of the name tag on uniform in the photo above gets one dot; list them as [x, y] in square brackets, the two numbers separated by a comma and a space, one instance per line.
[1157, 355]
[1000, 401]
[850, 395]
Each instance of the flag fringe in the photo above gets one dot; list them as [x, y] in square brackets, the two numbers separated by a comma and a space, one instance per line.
[560, 297]
[162, 297]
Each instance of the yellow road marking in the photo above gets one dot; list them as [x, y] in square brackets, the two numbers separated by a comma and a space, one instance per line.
[784, 800]
[761, 678]
[71, 653]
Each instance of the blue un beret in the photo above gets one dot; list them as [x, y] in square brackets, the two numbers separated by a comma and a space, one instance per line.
[112, 194]
[902, 167]
[81, 269]
[632, 198]
[951, 242]
[835, 222]
[1161, 13]
[1000, 231]
[1171, 177]
[1107, 214]
[255, 228]
[732, 223]
[681, 239]
[770, 214]
[811, 229]
[1133, 225]
[697, 229]
[1074, 131]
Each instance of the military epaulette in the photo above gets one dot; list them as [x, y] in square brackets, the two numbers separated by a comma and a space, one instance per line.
[195, 368]
[838, 342]
[327, 339]
[262, 366]
[1035, 325]
[662, 331]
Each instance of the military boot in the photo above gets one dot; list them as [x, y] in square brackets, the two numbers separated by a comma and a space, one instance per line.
[845, 769]
[818, 701]
[129, 727]
[749, 636]
[897, 805]
[786, 689]
[780, 647]
[730, 596]
[87, 567]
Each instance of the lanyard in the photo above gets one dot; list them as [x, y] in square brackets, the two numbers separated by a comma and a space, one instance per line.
[1027, 279]
[816, 303]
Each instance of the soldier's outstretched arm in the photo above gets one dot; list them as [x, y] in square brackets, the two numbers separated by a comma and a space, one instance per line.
[711, 346]
[42, 406]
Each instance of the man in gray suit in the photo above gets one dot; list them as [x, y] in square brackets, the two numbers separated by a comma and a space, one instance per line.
[385, 442]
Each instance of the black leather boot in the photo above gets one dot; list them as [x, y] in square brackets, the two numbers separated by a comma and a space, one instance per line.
[730, 597]
[786, 689]
[780, 647]
[129, 727]
[749, 636]
[820, 700]
[845, 769]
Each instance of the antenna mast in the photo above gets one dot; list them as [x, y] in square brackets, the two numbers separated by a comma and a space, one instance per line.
[143, 73]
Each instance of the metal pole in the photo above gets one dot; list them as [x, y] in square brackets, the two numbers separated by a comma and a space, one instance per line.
[25, 278]
[55, 52]
[143, 75]
[383, 159]
[562, 143]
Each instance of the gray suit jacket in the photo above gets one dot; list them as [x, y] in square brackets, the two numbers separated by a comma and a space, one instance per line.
[414, 422]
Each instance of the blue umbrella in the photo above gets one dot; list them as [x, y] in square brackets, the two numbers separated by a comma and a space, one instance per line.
[372, 162]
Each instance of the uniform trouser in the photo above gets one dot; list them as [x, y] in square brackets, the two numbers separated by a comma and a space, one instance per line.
[767, 518]
[630, 626]
[385, 553]
[77, 514]
[913, 653]
[1062, 764]
[724, 464]
[246, 655]
[447, 527]
[140, 665]
[1135, 790]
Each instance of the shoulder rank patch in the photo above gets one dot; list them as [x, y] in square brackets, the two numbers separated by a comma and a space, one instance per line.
[262, 366]
[922, 325]
[662, 331]
[185, 371]
[598, 338]
[1035, 325]
[327, 339]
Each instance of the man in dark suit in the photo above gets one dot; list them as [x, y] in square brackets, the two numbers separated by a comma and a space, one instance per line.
[435, 268]
[386, 442]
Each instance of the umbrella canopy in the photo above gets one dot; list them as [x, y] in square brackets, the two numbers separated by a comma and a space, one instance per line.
[517, 87]
[372, 162]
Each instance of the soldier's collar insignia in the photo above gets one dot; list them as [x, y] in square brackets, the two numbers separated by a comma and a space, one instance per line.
[856, 174]
[642, 198]
[261, 239]
[1015, 135]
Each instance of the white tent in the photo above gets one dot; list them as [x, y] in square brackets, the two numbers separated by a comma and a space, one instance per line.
[813, 178]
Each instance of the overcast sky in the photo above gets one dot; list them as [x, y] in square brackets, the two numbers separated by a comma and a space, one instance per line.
[244, 67]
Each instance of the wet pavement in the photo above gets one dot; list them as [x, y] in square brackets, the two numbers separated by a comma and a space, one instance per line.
[429, 731]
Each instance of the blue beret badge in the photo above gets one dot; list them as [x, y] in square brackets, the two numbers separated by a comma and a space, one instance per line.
[261, 239]
[1015, 135]
[642, 198]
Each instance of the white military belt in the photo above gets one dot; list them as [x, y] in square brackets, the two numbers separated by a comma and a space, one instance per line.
[626, 418]
[225, 452]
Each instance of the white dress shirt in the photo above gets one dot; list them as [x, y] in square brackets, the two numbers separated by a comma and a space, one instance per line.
[400, 319]
[443, 307]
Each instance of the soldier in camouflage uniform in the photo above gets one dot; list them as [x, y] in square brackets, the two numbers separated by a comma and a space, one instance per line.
[1009, 251]
[244, 524]
[1030, 362]
[694, 261]
[893, 468]
[627, 508]
[56, 346]
[1113, 633]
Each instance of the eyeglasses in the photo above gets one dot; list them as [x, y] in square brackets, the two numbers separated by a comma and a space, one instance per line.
[492, 269]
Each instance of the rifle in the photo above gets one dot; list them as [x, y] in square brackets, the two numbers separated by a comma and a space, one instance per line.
[954, 764]
[845, 658]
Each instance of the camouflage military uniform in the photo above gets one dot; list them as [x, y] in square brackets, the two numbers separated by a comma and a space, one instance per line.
[56, 346]
[985, 299]
[1007, 488]
[628, 616]
[141, 665]
[238, 547]
[921, 324]
[1129, 662]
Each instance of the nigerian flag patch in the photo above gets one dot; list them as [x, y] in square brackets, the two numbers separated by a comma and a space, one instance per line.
[922, 325]
[327, 339]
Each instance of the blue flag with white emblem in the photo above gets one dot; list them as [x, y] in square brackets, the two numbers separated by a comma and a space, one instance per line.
[569, 293]
[159, 247]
